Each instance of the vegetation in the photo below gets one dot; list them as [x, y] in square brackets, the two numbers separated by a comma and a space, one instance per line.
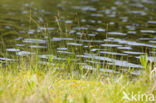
[29, 82]
[30, 78]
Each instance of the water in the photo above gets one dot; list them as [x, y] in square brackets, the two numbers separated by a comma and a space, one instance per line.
[115, 32]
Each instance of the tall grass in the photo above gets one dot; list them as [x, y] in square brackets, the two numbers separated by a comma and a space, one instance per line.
[26, 81]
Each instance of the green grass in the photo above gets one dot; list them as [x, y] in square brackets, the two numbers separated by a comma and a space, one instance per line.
[29, 82]
[26, 81]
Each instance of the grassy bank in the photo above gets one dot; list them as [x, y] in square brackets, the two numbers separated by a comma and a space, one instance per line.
[29, 82]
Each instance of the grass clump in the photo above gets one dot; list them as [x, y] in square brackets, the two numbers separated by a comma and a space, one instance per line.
[29, 82]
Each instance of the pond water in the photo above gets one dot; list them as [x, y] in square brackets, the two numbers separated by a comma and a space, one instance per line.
[114, 32]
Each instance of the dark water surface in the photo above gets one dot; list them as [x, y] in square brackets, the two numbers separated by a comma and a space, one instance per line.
[114, 32]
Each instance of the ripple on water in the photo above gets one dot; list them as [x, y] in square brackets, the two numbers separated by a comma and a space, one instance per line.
[31, 31]
[126, 48]
[74, 44]
[61, 48]
[132, 52]
[80, 28]
[116, 33]
[61, 39]
[12, 49]
[100, 30]
[92, 21]
[65, 52]
[91, 41]
[48, 28]
[85, 8]
[48, 56]
[5, 59]
[150, 58]
[111, 23]
[131, 32]
[151, 22]
[111, 45]
[152, 41]
[144, 38]
[72, 31]
[112, 53]
[19, 38]
[125, 64]
[83, 20]
[79, 33]
[130, 27]
[96, 15]
[147, 31]
[24, 53]
[92, 35]
[68, 21]
[137, 12]
[20, 45]
[37, 46]
[111, 60]
[29, 40]
[96, 49]
[131, 43]
[117, 13]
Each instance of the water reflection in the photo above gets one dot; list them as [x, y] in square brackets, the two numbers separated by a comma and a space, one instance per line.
[106, 30]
